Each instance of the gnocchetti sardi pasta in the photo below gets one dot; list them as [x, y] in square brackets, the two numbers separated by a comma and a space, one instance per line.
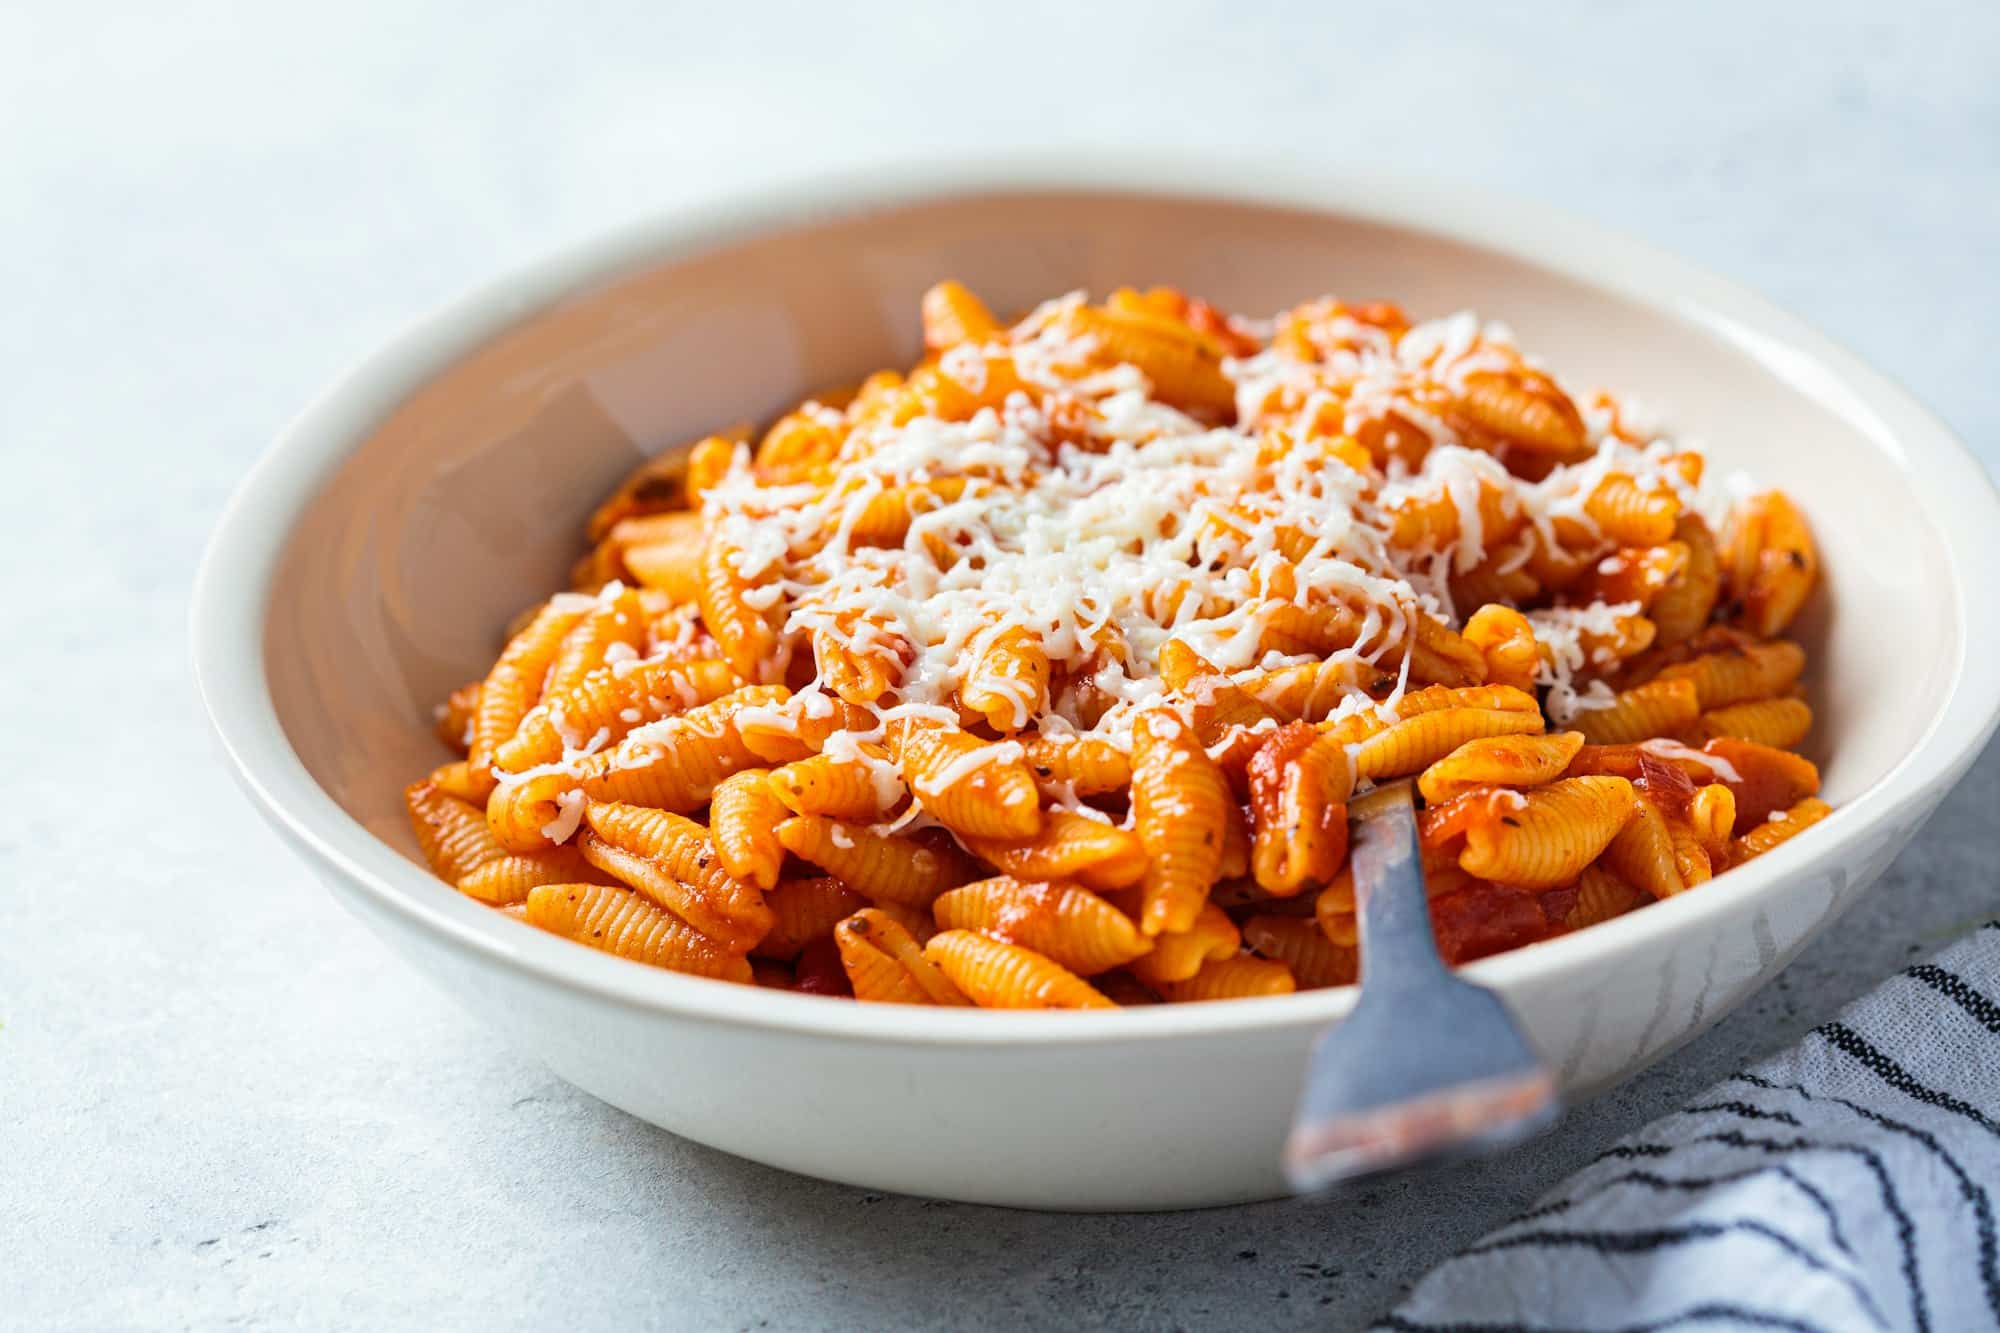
[1040, 675]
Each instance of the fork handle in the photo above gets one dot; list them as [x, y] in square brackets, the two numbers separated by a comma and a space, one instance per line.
[1390, 901]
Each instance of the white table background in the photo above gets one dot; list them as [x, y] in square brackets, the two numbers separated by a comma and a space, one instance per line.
[221, 1101]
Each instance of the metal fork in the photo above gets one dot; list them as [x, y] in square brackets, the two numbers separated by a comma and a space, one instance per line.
[1427, 1065]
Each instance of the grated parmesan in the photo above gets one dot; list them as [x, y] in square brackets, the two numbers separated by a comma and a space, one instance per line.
[1668, 748]
[570, 814]
[1154, 525]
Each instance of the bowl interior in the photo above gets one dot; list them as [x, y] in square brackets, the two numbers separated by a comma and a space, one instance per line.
[465, 503]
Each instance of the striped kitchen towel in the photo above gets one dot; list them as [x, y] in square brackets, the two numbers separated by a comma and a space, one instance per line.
[1846, 1183]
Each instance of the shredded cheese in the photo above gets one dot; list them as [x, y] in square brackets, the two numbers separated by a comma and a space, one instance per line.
[1148, 524]
[1667, 748]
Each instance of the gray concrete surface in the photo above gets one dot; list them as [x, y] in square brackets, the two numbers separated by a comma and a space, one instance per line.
[222, 1103]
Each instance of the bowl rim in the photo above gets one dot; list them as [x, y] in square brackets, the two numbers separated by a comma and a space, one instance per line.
[231, 594]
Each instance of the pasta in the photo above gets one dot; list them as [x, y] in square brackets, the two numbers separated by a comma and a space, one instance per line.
[1180, 805]
[805, 910]
[1299, 784]
[744, 814]
[885, 964]
[1302, 946]
[999, 975]
[672, 861]
[1039, 674]
[1179, 954]
[1070, 925]
[839, 789]
[1242, 976]
[515, 684]
[886, 867]
[1095, 852]
[619, 921]
[506, 881]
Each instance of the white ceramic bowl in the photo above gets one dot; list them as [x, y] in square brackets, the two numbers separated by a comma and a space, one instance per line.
[367, 564]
